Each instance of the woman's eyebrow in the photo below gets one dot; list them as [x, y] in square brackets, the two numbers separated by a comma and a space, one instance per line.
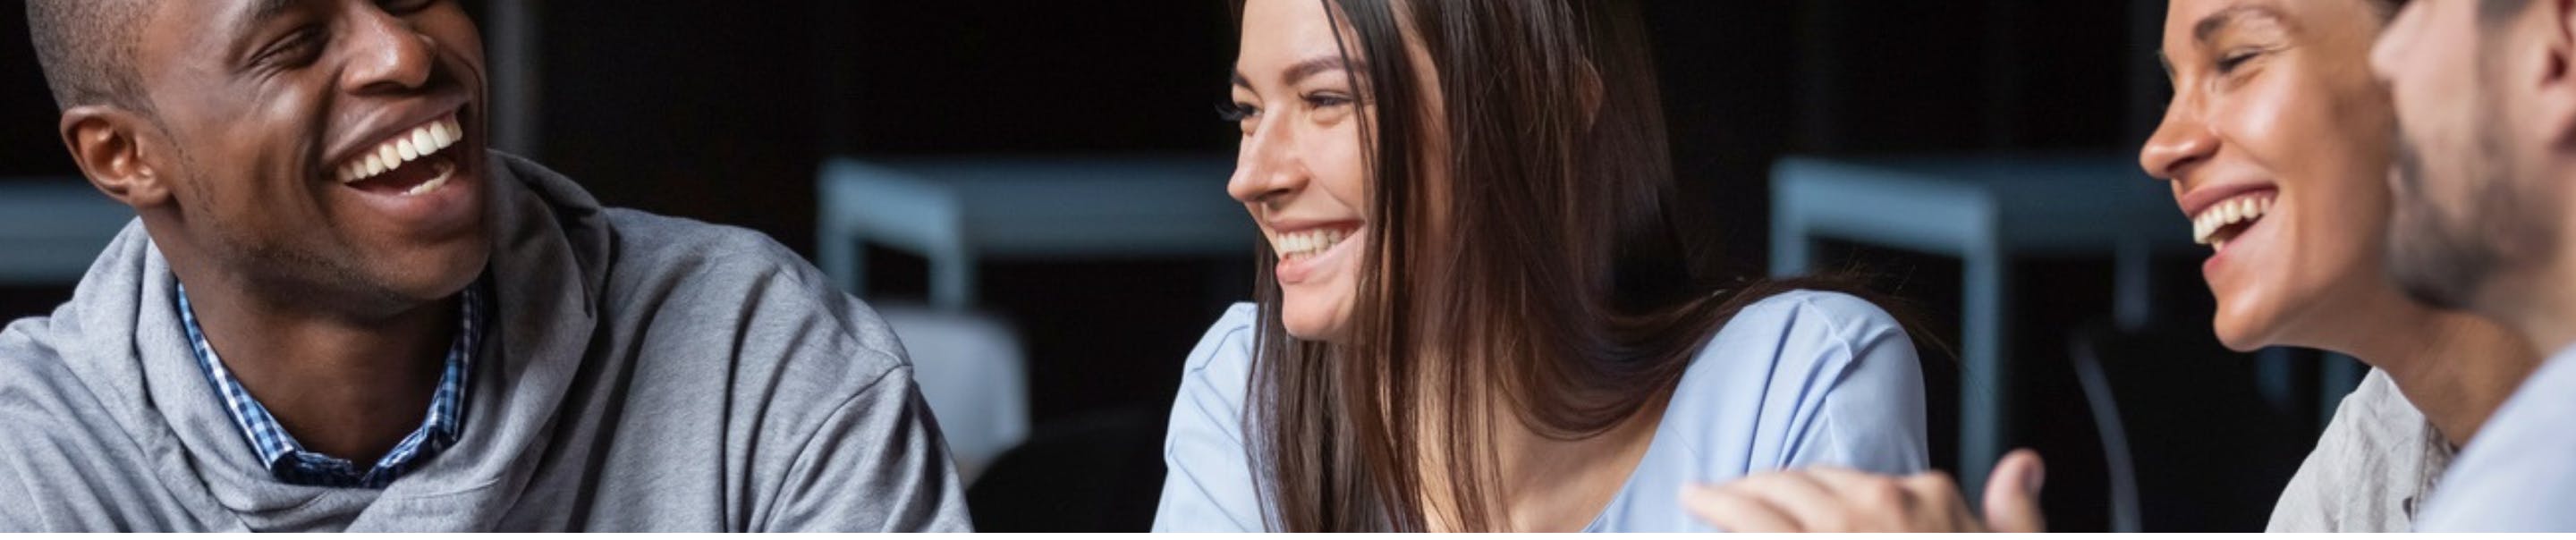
[2208, 28]
[1300, 71]
[1310, 67]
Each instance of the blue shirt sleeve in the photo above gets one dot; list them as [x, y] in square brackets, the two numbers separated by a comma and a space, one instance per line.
[1867, 389]
[2519, 474]
[1800, 379]
[1207, 481]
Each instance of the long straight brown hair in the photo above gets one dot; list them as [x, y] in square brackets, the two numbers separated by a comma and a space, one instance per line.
[1558, 286]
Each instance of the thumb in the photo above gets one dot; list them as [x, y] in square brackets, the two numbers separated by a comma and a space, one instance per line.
[2012, 493]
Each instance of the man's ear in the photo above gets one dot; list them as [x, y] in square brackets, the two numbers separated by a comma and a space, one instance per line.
[120, 151]
[2545, 63]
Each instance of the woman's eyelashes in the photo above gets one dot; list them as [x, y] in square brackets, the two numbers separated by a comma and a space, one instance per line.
[1327, 108]
[2238, 57]
[1236, 111]
[1326, 100]
[1325, 105]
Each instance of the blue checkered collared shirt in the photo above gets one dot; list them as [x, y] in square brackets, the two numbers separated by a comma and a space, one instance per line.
[291, 463]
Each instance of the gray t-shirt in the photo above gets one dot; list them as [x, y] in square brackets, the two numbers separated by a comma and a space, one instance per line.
[642, 373]
[2375, 465]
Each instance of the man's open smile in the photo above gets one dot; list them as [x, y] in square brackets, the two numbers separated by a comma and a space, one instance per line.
[411, 163]
[418, 172]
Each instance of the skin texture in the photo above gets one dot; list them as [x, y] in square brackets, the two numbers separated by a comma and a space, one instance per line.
[334, 304]
[2488, 106]
[2270, 97]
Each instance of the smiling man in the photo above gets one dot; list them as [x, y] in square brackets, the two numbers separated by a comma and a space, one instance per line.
[338, 311]
[2486, 221]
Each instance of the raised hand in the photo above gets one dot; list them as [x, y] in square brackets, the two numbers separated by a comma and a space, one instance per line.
[1829, 499]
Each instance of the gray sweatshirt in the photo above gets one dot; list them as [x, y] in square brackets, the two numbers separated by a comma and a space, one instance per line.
[641, 373]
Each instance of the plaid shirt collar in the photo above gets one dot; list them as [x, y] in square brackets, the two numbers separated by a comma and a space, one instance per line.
[289, 462]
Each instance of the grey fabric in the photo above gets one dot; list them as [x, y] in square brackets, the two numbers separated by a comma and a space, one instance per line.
[642, 373]
[2372, 469]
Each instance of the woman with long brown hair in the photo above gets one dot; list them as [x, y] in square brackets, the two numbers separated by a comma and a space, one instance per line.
[1476, 310]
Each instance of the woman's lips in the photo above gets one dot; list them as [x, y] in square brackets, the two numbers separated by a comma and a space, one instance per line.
[1305, 252]
[2230, 248]
[2224, 220]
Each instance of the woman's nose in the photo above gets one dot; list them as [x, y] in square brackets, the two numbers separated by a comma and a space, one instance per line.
[2181, 141]
[1266, 167]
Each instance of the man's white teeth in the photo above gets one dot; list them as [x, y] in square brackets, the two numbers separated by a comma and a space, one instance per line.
[433, 184]
[411, 145]
[1308, 243]
[2243, 209]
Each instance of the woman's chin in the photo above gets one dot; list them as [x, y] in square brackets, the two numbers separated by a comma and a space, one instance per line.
[1328, 324]
[2241, 331]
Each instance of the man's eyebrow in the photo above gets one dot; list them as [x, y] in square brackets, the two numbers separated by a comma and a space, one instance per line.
[2209, 27]
[244, 21]
[267, 9]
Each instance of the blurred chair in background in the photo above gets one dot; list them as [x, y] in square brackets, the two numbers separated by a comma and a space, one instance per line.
[1096, 470]
[1987, 211]
[2197, 438]
[970, 369]
[51, 229]
[958, 212]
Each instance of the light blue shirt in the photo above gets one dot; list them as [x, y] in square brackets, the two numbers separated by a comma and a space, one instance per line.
[2519, 474]
[1802, 378]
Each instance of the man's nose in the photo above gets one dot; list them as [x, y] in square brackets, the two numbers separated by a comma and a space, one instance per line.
[2386, 51]
[387, 54]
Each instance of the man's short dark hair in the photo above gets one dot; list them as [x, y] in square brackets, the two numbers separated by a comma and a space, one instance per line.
[2493, 11]
[2388, 8]
[87, 48]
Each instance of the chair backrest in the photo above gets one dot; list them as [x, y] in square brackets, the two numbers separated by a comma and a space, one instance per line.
[2191, 439]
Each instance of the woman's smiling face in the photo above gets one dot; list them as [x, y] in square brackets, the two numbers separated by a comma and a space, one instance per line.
[1300, 171]
[2276, 146]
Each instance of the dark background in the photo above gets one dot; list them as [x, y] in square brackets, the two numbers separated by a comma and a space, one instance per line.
[721, 111]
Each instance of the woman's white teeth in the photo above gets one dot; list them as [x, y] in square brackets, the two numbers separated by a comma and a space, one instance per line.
[2244, 209]
[1306, 243]
[420, 142]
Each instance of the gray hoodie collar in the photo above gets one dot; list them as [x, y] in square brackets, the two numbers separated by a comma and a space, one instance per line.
[551, 250]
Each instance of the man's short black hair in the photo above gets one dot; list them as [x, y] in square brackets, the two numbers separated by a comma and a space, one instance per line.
[87, 48]
[2492, 11]
[2388, 8]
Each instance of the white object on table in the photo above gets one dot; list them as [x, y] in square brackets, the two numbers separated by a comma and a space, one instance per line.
[970, 369]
